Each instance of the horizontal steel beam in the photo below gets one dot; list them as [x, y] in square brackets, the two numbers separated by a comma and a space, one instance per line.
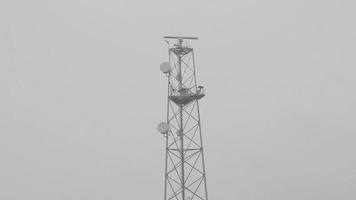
[181, 37]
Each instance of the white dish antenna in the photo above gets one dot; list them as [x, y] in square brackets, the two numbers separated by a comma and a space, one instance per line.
[163, 127]
[165, 67]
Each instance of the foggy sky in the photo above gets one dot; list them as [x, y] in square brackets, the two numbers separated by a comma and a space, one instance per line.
[81, 95]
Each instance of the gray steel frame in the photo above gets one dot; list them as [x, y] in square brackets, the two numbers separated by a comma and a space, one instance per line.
[184, 164]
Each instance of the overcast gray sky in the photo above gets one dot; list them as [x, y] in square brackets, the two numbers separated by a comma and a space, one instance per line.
[81, 95]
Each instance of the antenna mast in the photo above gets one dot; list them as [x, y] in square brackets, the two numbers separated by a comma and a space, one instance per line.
[185, 177]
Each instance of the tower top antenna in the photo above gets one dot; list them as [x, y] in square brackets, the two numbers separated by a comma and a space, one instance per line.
[181, 37]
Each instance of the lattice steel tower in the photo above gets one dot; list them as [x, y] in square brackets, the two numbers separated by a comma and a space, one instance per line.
[185, 177]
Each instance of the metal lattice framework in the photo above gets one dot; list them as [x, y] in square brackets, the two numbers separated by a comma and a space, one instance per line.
[185, 177]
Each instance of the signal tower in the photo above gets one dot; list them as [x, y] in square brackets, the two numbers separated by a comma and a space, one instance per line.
[185, 177]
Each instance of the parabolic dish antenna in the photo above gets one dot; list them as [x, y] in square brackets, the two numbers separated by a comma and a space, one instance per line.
[165, 67]
[163, 127]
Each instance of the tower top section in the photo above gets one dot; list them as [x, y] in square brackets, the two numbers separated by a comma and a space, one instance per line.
[178, 48]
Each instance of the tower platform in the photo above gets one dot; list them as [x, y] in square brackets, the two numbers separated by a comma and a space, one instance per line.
[185, 96]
